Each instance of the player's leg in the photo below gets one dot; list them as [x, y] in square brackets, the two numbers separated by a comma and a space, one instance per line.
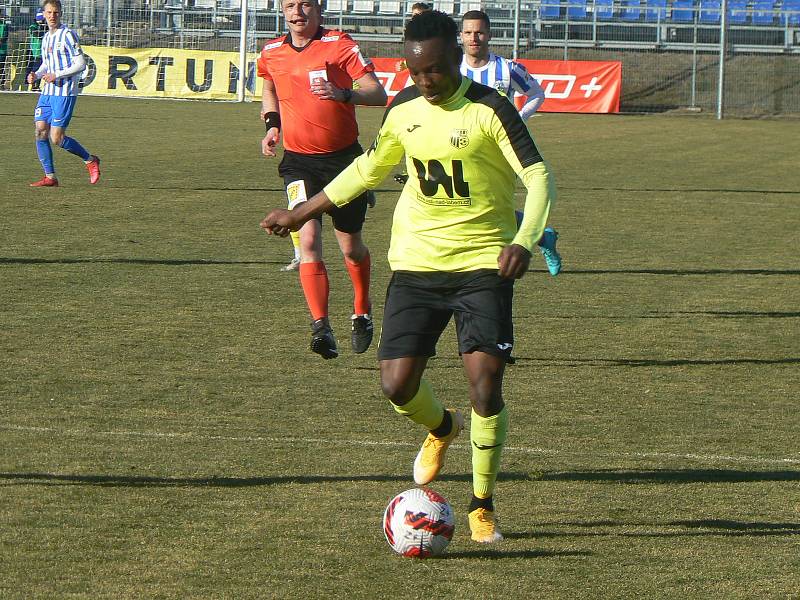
[63, 107]
[295, 194]
[547, 246]
[348, 222]
[483, 315]
[488, 429]
[302, 183]
[316, 289]
[414, 318]
[44, 151]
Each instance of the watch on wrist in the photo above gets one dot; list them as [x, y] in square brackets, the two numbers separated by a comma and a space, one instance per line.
[348, 95]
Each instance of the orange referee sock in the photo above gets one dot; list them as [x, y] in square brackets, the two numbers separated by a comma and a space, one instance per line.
[359, 275]
[314, 279]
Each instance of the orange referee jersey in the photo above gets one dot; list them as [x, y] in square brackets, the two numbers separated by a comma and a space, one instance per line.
[310, 125]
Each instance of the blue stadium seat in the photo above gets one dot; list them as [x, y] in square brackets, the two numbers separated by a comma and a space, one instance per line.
[682, 11]
[763, 12]
[791, 13]
[737, 12]
[604, 9]
[576, 10]
[656, 10]
[631, 10]
[550, 10]
[710, 11]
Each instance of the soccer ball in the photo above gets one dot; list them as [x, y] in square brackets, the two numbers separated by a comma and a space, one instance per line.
[419, 523]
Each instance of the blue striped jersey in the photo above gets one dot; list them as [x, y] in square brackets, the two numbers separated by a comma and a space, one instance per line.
[504, 75]
[60, 49]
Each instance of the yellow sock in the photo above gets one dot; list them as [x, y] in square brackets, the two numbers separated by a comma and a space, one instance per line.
[423, 408]
[295, 235]
[488, 435]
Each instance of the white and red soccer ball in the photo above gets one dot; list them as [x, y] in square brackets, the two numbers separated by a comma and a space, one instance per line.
[418, 523]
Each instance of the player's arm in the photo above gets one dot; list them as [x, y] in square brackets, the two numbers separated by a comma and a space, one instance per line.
[514, 259]
[281, 221]
[370, 92]
[271, 117]
[40, 72]
[534, 101]
[364, 173]
[520, 151]
[526, 84]
[77, 66]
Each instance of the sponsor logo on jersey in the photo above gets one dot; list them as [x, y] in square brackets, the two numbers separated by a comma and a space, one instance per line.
[329, 38]
[459, 138]
[273, 45]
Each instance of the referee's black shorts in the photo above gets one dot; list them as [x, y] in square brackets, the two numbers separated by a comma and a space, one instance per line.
[318, 170]
[419, 306]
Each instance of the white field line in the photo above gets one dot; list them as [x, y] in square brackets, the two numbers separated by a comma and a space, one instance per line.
[371, 443]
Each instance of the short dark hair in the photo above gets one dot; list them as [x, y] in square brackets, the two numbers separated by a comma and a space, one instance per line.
[422, 6]
[429, 25]
[477, 15]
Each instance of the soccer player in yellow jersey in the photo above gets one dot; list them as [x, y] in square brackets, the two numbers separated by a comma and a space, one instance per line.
[455, 249]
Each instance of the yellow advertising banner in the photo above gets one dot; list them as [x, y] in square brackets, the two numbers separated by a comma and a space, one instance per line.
[166, 73]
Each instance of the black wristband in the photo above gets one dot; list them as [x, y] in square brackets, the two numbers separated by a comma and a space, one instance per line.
[272, 119]
[348, 95]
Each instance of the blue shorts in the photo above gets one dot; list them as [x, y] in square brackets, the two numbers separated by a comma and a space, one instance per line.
[56, 111]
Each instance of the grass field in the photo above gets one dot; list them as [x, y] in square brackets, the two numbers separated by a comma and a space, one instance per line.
[165, 433]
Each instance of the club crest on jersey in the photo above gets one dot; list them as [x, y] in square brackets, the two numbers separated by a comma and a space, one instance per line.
[459, 138]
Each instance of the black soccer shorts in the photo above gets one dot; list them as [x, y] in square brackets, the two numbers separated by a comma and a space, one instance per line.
[315, 171]
[419, 306]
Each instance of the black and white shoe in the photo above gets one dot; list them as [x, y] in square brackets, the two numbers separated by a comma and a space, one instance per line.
[322, 340]
[361, 333]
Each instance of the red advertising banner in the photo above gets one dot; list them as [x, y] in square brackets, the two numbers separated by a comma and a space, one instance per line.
[569, 86]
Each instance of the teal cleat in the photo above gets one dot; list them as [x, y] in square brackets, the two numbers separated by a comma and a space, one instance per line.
[547, 246]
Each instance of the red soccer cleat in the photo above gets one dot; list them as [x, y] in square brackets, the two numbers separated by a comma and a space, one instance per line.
[93, 166]
[46, 182]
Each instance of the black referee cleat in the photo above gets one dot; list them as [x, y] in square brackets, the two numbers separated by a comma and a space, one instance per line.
[361, 333]
[322, 340]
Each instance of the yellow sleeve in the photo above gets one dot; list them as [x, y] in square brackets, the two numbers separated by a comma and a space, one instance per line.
[368, 170]
[540, 199]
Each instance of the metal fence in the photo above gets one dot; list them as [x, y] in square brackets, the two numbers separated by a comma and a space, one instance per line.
[671, 50]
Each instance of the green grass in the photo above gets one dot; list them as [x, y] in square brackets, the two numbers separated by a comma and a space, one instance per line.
[165, 433]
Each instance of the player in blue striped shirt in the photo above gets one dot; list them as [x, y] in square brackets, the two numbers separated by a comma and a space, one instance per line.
[511, 79]
[60, 72]
[506, 76]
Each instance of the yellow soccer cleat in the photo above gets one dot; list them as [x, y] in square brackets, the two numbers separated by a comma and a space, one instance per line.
[430, 458]
[484, 528]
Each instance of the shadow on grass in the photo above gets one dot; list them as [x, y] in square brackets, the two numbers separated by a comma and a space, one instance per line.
[647, 362]
[695, 528]
[644, 271]
[656, 476]
[145, 481]
[202, 261]
[132, 261]
[670, 476]
[497, 554]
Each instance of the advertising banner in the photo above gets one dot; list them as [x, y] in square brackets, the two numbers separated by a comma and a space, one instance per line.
[569, 86]
[165, 73]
